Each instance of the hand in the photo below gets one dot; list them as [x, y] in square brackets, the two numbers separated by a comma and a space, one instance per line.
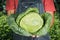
[34, 36]
[9, 12]
[52, 21]
[37, 36]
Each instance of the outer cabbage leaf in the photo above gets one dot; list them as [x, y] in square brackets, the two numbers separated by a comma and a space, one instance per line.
[13, 25]
[46, 27]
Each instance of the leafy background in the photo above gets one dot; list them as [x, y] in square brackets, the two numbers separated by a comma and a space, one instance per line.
[6, 32]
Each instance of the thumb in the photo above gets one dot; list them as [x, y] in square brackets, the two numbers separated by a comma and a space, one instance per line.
[33, 36]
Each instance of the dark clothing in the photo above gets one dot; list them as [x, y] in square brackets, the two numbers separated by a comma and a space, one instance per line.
[22, 6]
[19, 37]
[48, 5]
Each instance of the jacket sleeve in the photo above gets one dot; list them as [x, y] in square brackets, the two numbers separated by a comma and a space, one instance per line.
[49, 5]
[10, 4]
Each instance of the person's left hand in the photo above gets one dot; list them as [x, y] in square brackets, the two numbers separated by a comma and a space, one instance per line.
[52, 14]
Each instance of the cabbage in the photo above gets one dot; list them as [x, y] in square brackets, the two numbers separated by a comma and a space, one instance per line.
[30, 23]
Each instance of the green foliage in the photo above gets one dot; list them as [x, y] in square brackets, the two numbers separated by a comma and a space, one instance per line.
[5, 32]
[55, 30]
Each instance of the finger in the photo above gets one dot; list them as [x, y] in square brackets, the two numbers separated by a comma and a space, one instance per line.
[37, 36]
[33, 36]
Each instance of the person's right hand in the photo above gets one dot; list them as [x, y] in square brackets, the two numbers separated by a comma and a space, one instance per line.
[33, 36]
[9, 12]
